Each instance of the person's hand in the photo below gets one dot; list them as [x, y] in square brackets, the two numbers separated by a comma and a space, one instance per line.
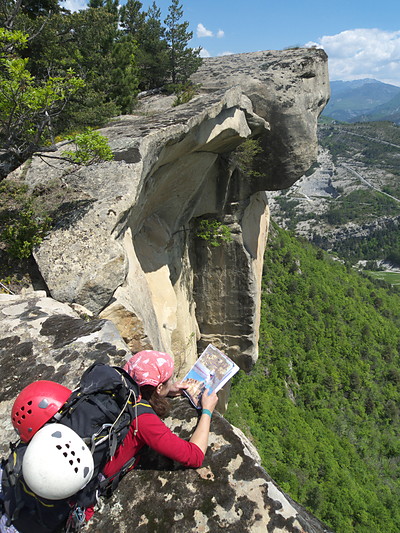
[209, 401]
[177, 388]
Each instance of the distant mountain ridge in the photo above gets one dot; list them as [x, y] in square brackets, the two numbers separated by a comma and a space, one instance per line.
[363, 101]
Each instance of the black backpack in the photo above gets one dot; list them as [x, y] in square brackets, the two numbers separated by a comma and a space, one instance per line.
[100, 411]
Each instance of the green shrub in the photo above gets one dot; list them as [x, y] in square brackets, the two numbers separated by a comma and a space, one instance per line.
[25, 232]
[22, 226]
[184, 93]
[214, 232]
[245, 155]
[90, 147]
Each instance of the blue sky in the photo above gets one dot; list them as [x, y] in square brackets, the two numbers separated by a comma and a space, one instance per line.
[361, 38]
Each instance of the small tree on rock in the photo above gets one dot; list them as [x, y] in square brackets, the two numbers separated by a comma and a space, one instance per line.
[27, 106]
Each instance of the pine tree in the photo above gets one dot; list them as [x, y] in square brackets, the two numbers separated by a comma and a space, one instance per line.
[183, 61]
[110, 5]
[123, 77]
[132, 19]
[153, 51]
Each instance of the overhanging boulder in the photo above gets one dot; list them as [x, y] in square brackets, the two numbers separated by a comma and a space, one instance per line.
[127, 230]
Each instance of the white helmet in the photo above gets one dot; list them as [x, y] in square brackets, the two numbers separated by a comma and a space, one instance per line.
[57, 463]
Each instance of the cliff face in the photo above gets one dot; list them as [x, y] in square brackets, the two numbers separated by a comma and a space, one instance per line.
[125, 245]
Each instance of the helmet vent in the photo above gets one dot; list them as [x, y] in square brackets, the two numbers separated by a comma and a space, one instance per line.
[35, 405]
[57, 469]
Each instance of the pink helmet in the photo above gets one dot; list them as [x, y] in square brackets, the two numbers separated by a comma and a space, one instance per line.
[35, 405]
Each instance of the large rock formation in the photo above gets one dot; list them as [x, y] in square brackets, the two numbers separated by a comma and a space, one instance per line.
[126, 245]
[45, 339]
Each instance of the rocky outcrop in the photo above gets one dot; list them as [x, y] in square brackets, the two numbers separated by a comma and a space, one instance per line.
[230, 492]
[288, 89]
[125, 268]
[41, 338]
[126, 243]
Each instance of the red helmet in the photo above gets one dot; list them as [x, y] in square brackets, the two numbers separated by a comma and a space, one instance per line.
[35, 405]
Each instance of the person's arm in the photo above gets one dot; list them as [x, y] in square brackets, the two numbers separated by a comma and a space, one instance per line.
[153, 432]
[200, 434]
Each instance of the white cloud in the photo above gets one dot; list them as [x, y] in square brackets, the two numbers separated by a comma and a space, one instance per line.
[204, 53]
[74, 5]
[363, 53]
[203, 32]
[226, 53]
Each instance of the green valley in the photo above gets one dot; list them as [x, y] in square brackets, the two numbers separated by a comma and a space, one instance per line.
[322, 403]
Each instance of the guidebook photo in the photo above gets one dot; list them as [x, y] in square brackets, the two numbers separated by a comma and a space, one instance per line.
[211, 371]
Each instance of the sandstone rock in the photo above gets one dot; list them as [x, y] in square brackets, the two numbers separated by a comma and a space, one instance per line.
[126, 231]
[230, 492]
[289, 90]
[129, 326]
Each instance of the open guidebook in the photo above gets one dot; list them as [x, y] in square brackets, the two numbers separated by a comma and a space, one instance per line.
[211, 371]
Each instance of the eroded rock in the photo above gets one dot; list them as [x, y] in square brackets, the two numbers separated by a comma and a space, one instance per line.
[41, 338]
[128, 234]
[230, 492]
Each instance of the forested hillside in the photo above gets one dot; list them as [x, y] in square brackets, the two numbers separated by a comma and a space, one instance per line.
[322, 403]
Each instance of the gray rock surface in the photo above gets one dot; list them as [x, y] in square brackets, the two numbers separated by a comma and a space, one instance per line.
[230, 492]
[126, 235]
[41, 338]
[289, 90]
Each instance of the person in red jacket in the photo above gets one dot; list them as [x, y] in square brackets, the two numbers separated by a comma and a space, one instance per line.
[153, 372]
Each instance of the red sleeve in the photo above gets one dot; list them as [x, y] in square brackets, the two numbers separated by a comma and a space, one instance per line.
[160, 438]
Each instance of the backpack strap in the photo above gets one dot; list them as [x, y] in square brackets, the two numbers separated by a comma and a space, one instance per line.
[140, 408]
[109, 484]
[143, 406]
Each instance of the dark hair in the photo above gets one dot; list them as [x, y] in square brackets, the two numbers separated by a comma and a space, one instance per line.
[160, 405]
